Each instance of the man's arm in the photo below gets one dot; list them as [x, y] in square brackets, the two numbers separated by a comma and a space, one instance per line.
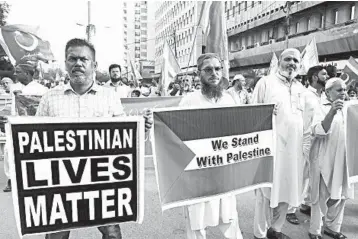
[327, 121]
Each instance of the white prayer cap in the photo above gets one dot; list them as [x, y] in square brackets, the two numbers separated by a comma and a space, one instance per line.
[293, 51]
[238, 77]
[6, 79]
[330, 83]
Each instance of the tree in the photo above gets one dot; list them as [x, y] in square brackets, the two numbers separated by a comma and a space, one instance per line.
[4, 10]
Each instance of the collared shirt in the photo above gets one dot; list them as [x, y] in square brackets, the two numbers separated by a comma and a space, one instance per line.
[122, 90]
[241, 97]
[34, 88]
[63, 101]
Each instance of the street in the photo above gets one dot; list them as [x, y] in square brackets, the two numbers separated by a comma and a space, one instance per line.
[171, 224]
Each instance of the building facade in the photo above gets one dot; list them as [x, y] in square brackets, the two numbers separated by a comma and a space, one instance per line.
[177, 23]
[138, 37]
[257, 29]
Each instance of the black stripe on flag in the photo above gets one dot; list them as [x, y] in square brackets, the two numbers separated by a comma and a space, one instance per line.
[218, 122]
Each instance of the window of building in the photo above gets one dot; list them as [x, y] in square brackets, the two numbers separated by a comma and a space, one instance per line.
[238, 9]
[297, 27]
[143, 32]
[137, 55]
[137, 11]
[230, 5]
[144, 25]
[353, 9]
[335, 16]
[233, 11]
[143, 18]
[252, 4]
[225, 5]
[245, 8]
[322, 21]
[227, 15]
[309, 24]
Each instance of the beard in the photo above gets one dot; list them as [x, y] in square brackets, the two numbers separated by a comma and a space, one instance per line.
[287, 74]
[212, 91]
[115, 80]
[321, 83]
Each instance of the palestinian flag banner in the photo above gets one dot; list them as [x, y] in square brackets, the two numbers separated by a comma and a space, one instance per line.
[202, 154]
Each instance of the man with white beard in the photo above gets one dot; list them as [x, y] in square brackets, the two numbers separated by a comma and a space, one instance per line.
[328, 163]
[285, 91]
[219, 212]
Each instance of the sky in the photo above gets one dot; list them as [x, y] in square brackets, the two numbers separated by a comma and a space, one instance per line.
[58, 21]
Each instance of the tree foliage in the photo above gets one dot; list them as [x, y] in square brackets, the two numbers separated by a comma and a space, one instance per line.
[4, 11]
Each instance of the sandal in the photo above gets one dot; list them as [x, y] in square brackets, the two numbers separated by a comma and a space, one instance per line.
[313, 236]
[335, 235]
[292, 218]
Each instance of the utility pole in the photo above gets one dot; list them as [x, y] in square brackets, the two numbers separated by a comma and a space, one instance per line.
[288, 16]
[175, 42]
[90, 30]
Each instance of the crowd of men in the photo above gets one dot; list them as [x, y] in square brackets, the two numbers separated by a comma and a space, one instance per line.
[310, 166]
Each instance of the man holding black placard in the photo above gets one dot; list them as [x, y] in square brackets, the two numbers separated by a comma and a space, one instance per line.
[83, 98]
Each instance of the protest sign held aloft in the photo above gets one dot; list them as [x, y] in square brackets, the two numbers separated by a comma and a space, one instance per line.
[74, 173]
[205, 153]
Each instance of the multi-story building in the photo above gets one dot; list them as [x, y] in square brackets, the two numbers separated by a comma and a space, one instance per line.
[177, 23]
[257, 29]
[136, 27]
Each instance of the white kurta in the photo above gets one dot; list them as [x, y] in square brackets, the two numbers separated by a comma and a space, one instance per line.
[208, 213]
[288, 168]
[34, 88]
[328, 156]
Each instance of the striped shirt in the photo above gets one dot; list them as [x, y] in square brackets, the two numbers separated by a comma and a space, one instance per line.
[63, 101]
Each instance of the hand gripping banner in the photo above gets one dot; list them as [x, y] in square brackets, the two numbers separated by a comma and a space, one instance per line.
[201, 154]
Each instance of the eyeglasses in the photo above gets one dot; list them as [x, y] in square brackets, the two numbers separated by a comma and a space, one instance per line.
[211, 70]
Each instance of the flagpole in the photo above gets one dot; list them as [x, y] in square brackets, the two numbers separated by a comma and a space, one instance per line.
[196, 33]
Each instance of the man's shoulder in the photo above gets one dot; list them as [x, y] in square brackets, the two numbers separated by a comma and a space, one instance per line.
[193, 95]
[57, 90]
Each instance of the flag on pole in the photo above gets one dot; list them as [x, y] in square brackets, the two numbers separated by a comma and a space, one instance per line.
[309, 57]
[170, 68]
[215, 37]
[134, 72]
[274, 64]
[350, 72]
[17, 41]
